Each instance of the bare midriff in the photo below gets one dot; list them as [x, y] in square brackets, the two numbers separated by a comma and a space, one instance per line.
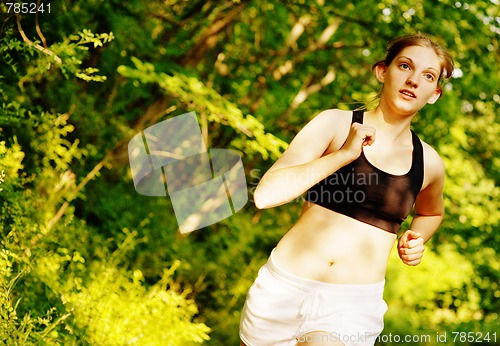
[330, 247]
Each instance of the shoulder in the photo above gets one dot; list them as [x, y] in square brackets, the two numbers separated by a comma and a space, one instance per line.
[432, 158]
[433, 164]
[330, 122]
[329, 127]
[334, 115]
[316, 137]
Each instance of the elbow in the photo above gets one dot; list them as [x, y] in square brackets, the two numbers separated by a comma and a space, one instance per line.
[440, 211]
[259, 200]
[260, 206]
[267, 196]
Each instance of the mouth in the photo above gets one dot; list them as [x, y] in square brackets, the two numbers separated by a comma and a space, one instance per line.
[408, 93]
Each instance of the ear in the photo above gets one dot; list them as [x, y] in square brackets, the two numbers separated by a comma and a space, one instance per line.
[435, 96]
[380, 71]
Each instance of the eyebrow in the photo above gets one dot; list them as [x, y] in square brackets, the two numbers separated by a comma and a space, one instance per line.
[428, 68]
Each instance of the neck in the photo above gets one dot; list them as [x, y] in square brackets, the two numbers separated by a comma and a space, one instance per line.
[391, 125]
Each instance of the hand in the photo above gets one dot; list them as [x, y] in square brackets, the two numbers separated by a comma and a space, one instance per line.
[411, 248]
[359, 136]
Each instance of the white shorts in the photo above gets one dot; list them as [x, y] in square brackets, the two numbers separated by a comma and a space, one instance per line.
[282, 308]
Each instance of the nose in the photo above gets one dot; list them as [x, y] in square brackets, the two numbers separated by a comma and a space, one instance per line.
[412, 81]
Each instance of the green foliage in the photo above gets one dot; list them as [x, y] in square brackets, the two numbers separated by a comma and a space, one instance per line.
[190, 90]
[115, 308]
[15, 329]
[84, 257]
[73, 48]
[60, 280]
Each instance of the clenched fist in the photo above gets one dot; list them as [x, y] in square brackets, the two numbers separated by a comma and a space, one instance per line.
[411, 248]
[359, 136]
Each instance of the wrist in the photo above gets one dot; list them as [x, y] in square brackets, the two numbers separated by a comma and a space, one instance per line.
[347, 156]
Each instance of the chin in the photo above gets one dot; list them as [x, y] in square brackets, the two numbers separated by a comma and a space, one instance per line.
[406, 107]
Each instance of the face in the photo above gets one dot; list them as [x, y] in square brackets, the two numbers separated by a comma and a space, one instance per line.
[411, 79]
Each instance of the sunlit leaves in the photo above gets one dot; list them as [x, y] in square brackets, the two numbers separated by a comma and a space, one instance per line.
[192, 91]
[240, 65]
[116, 309]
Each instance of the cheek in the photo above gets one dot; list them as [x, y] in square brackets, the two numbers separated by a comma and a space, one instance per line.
[434, 97]
[396, 76]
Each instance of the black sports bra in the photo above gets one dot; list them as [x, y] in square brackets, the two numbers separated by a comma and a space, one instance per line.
[368, 194]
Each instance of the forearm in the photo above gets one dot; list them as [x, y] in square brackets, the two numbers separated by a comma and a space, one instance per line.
[426, 225]
[282, 185]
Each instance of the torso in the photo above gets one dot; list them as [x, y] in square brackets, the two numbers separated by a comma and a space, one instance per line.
[327, 246]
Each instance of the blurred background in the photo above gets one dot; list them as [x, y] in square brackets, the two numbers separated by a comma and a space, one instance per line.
[86, 260]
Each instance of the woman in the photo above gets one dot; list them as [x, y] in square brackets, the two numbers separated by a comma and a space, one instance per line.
[363, 172]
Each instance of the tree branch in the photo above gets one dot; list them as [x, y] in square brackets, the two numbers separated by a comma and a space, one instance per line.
[307, 89]
[37, 26]
[209, 38]
[152, 114]
[36, 45]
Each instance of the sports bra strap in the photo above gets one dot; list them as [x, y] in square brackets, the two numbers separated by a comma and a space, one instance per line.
[357, 116]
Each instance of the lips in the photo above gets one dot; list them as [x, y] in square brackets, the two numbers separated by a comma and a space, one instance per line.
[408, 93]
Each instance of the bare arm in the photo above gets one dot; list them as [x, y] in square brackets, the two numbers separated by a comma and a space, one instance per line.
[304, 164]
[429, 211]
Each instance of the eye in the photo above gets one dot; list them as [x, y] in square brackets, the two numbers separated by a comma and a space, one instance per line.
[429, 77]
[404, 66]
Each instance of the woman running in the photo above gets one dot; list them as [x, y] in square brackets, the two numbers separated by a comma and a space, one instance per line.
[362, 173]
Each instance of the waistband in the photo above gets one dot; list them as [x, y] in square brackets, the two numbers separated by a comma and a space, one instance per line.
[370, 291]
